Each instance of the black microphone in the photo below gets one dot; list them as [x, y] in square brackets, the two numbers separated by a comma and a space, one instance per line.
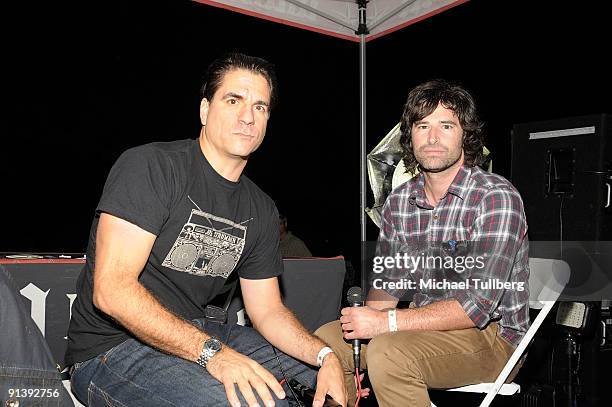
[355, 298]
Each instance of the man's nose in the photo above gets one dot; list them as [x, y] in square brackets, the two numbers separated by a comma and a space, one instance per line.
[433, 136]
[246, 115]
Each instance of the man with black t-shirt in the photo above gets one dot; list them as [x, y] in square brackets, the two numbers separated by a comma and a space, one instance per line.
[174, 221]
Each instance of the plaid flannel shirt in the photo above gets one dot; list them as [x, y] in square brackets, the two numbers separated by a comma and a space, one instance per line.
[480, 214]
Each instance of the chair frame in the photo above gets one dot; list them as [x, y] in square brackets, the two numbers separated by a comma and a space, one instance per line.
[556, 273]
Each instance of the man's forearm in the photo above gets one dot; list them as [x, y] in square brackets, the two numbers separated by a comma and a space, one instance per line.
[438, 316]
[283, 330]
[134, 307]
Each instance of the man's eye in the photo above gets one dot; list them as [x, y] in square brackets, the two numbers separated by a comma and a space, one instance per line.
[260, 108]
[447, 126]
[232, 101]
[422, 126]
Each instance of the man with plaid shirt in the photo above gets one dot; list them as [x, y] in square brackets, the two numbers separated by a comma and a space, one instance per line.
[456, 237]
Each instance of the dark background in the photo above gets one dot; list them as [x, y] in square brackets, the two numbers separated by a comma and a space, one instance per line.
[83, 81]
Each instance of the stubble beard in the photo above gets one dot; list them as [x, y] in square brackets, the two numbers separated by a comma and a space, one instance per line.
[437, 164]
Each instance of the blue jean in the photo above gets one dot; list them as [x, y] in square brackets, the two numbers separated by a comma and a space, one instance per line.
[134, 374]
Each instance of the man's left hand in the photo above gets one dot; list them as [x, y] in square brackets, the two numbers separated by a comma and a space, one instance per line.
[363, 322]
[330, 380]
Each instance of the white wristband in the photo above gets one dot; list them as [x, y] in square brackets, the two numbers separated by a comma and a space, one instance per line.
[392, 313]
[322, 353]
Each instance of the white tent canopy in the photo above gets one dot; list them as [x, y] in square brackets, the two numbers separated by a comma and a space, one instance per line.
[339, 18]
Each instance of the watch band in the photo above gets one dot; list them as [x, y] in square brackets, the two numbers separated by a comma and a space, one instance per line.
[208, 351]
[204, 357]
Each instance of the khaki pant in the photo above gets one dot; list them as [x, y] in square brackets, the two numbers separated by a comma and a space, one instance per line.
[403, 365]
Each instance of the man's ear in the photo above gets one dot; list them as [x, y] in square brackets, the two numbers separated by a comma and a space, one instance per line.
[204, 111]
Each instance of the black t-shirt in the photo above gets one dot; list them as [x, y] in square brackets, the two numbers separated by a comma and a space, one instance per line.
[206, 227]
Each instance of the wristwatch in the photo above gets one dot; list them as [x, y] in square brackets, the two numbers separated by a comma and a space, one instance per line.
[210, 348]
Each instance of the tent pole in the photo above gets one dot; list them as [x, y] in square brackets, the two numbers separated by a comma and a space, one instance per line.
[362, 31]
[362, 154]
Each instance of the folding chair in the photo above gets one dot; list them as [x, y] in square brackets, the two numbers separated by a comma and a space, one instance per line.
[547, 279]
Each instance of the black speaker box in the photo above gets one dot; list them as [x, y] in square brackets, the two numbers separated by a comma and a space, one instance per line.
[47, 287]
[563, 170]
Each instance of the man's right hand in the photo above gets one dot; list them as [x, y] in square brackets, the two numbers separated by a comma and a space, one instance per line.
[231, 367]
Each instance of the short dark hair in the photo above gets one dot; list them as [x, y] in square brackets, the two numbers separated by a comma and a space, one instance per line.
[423, 100]
[232, 61]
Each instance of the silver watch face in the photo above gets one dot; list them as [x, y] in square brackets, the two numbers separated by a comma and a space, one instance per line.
[213, 345]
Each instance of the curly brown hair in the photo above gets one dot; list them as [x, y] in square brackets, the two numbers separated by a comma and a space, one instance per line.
[423, 100]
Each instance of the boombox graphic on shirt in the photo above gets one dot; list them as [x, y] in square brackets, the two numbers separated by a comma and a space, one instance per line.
[207, 245]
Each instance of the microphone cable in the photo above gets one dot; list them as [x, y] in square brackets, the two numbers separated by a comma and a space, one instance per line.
[285, 380]
[358, 381]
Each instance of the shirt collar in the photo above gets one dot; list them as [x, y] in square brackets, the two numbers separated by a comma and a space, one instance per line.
[458, 187]
[460, 184]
